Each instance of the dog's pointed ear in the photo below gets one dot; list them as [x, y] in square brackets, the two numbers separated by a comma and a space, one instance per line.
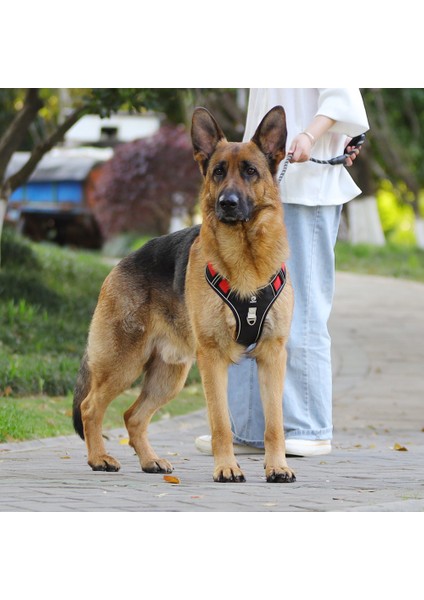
[205, 135]
[271, 137]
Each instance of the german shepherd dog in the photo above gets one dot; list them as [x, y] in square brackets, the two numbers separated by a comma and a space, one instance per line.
[157, 312]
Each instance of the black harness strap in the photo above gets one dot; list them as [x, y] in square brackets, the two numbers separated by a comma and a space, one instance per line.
[249, 313]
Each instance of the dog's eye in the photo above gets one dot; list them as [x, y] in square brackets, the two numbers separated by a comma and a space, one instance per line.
[251, 171]
[218, 172]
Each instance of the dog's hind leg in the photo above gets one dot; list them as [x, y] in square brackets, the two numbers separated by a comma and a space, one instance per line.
[93, 408]
[108, 377]
[162, 381]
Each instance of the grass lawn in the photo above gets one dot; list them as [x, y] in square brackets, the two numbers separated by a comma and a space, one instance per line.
[391, 260]
[42, 416]
[47, 297]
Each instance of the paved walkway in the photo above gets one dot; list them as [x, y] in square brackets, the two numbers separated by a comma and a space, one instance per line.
[378, 345]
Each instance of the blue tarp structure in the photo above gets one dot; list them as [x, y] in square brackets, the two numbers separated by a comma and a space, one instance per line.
[58, 178]
[38, 191]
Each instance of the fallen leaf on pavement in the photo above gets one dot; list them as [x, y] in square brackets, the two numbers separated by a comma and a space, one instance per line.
[400, 448]
[171, 479]
[124, 442]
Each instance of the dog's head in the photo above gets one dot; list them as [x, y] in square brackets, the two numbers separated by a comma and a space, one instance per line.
[238, 175]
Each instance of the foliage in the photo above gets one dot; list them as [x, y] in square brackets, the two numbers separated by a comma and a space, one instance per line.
[145, 181]
[105, 101]
[396, 137]
[397, 218]
[391, 260]
[47, 298]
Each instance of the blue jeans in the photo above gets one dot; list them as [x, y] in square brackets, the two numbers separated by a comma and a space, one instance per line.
[307, 404]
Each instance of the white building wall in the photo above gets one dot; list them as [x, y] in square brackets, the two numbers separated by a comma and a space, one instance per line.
[129, 127]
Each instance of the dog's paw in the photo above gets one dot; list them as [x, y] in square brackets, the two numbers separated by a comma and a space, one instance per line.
[104, 462]
[157, 465]
[279, 475]
[228, 474]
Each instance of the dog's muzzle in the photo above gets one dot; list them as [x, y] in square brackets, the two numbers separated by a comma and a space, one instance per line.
[232, 208]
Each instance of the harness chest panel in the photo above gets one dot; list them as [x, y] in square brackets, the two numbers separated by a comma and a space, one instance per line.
[250, 313]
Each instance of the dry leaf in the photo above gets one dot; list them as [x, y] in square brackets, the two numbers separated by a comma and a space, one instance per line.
[124, 442]
[400, 448]
[171, 479]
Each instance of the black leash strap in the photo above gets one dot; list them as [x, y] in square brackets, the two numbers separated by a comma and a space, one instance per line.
[356, 142]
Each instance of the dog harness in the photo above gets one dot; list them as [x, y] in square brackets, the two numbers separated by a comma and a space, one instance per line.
[249, 313]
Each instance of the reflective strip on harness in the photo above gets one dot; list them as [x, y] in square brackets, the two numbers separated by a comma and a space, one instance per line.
[249, 313]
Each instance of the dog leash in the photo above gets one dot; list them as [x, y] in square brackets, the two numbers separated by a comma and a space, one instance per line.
[285, 165]
[356, 142]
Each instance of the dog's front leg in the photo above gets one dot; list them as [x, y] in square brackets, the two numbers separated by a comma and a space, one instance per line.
[213, 369]
[271, 373]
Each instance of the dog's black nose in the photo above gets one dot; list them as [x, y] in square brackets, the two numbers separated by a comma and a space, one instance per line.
[228, 200]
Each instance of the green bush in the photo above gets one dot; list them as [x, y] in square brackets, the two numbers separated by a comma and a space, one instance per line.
[47, 298]
[397, 218]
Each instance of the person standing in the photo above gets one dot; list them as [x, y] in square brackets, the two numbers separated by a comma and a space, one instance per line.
[320, 122]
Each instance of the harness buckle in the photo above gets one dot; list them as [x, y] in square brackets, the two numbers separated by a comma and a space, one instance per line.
[251, 316]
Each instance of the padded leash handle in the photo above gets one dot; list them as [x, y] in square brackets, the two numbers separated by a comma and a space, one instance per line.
[356, 142]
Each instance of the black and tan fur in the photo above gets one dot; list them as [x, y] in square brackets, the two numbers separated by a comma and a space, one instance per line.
[156, 312]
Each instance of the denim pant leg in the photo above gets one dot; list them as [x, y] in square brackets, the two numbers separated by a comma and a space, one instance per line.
[312, 233]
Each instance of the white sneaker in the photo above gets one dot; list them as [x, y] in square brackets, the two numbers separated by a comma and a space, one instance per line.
[294, 447]
[204, 444]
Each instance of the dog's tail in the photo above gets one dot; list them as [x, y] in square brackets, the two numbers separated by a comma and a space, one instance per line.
[82, 387]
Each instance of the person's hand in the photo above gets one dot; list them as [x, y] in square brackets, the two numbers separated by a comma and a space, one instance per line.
[301, 148]
[349, 160]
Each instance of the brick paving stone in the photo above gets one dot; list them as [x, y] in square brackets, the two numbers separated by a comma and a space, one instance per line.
[378, 357]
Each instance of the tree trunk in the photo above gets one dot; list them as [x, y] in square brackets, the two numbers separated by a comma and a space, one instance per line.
[19, 178]
[419, 231]
[364, 222]
[14, 134]
[3, 208]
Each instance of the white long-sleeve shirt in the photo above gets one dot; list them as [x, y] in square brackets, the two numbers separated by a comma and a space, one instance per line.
[309, 183]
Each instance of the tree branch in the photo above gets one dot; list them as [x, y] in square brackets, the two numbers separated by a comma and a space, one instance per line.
[14, 134]
[40, 150]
